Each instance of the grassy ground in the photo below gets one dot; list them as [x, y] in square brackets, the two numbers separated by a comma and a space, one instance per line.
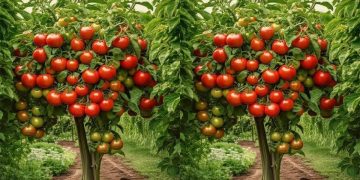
[323, 161]
[144, 161]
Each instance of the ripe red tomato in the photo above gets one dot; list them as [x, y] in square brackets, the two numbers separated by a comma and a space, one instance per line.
[301, 42]
[238, 64]
[142, 43]
[54, 40]
[230, 71]
[270, 76]
[286, 104]
[39, 55]
[106, 104]
[28, 80]
[323, 44]
[100, 47]
[262, 90]
[40, 40]
[72, 79]
[197, 69]
[219, 55]
[234, 40]
[233, 98]
[294, 95]
[96, 96]
[141, 78]
[77, 44]
[87, 32]
[107, 72]
[248, 97]
[272, 110]
[280, 47]
[86, 57]
[285, 85]
[68, 97]
[72, 65]
[225, 81]
[121, 42]
[266, 57]
[209, 80]
[92, 109]
[90, 76]
[17, 70]
[81, 90]
[310, 62]
[44, 80]
[105, 85]
[322, 78]
[267, 32]
[257, 44]
[129, 62]
[114, 95]
[54, 98]
[77, 110]
[287, 73]
[147, 103]
[58, 64]
[252, 79]
[327, 103]
[276, 96]
[116, 85]
[256, 110]
[199, 53]
[220, 40]
[252, 65]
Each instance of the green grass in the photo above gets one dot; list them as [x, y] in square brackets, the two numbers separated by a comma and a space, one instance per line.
[142, 160]
[323, 161]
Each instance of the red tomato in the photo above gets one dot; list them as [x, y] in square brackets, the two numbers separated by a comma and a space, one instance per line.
[114, 95]
[257, 44]
[323, 44]
[72, 79]
[287, 73]
[198, 53]
[225, 81]
[295, 85]
[28, 80]
[116, 85]
[39, 55]
[262, 90]
[68, 97]
[267, 32]
[105, 85]
[129, 62]
[327, 103]
[58, 64]
[301, 42]
[252, 65]
[272, 110]
[86, 57]
[286, 104]
[248, 97]
[100, 47]
[96, 96]
[40, 40]
[322, 78]
[220, 40]
[17, 70]
[141, 78]
[45, 80]
[294, 95]
[233, 98]
[219, 55]
[77, 110]
[81, 90]
[310, 62]
[54, 40]
[87, 32]
[252, 79]
[90, 76]
[121, 42]
[48, 70]
[107, 72]
[72, 65]
[197, 69]
[234, 40]
[106, 104]
[238, 64]
[147, 103]
[280, 47]
[230, 71]
[270, 76]
[209, 80]
[77, 44]
[266, 57]
[54, 98]
[92, 109]
[256, 109]
[285, 85]
[276, 96]
[142, 43]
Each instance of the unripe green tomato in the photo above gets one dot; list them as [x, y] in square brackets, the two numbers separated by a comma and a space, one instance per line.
[36, 111]
[122, 75]
[200, 87]
[309, 83]
[20, 87]
[101, 32]
[45, 92]
[20, 105]
[96, 26]
[36, 93]
[37, 122]
[217, 110]
[302, 75]
[275, 136]
[95, 136]
[217, 122]
[129, 82]
[240, 79]
[290, 115]
[216, 93]
[225, 92]
[201, 105]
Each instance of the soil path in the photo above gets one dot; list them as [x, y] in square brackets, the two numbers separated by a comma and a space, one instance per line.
[292, 168]
[112, 167]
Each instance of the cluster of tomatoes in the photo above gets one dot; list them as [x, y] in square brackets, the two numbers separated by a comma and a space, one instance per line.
[83, 77]
[284, 142]
[104, 140]
[263, 75]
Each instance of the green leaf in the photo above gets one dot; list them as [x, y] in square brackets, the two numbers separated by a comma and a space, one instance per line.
[2, 137]
[135, 45]
[171, 102]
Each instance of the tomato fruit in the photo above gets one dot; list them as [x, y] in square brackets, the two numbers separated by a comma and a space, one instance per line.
[233, 98]
[266, 57]
[28, 80]
[310, 62]
[267, 32]
[106, 104]
[217, 122]
[141, 78]
[28, 130]
[99, 47]
[87, 32]
[257, 44]
[202, 116]
[39, 133]
[270, 76]
[129, 62]
[219, 134]
[217, 110]
[286, 104]
[95, 137]
[261, 90]
[45, 80]
[20, 87]
[295, 85]
[275, 136]
[142, 43]
[58, 64]
[37, 122]
[220, 40]
[54, 98]
[147, 103]
[72, 65]
[287, 73]
[90, 76]
[22, 116]
[288, 137]
[39, 55]
[116, 144]
[92, 109]
[36, 111]
[54, 40]
[108, 137]
[252, 79]
[327, 103]
[294, 95]
[219, 55]
[279, 47]
[68, 97]
[77, 110]
[248, 97]
[36, 93]
[272, 110]
[107, 72]
[201, 105]
[234, 40]
[81, 90]
[117, 86]
[102, 148]
[96, 96]
[40, 40]
[225, 80]
[216, 93]
[276, 96]
[20, 105]
[209, 80]
[252, 65]
[86, 57]
[77, 44]
[208, 130]
[238, 64]
[282, 148]
[296, 144]
[301, 42]
[322, 78]
[256, 110]
[121, 42]
[322, 43]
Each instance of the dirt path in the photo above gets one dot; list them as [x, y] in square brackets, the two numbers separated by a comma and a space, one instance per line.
[292, 168]
[112, 167]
